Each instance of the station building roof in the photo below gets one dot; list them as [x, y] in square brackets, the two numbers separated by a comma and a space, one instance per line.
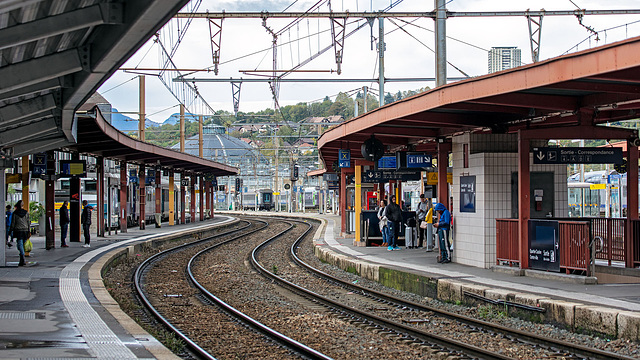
[97, 137]
[581, 89]
[55, 53]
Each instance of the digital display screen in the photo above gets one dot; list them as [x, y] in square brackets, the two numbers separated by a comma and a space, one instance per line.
[73, 168]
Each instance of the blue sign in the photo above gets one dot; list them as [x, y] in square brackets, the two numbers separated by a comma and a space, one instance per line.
[387, 162]
[39, 164]
[344, 158]
[418, 160]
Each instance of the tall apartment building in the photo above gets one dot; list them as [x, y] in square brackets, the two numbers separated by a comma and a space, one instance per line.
[502, 58]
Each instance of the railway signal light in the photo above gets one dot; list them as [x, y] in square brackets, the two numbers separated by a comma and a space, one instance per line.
[294, 172]
[238, 184]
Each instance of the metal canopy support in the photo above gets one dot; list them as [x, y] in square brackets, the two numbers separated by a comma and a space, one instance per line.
[235, 90]
[337, 33]
[215, 34]
[56, 25]
[35, 71]
[535, 33]
[381, 48]
[31, 131]
[441, 42]
[25, 109]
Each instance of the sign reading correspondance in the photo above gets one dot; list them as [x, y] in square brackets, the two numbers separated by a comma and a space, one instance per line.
[371, 176]
[577, 155]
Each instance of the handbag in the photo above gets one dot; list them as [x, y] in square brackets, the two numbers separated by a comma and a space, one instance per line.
[424, 225]
[28, 246]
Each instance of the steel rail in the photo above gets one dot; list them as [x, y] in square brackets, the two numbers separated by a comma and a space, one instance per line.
[368, 318]
[143, 268]
[255, 324]
[587, 352]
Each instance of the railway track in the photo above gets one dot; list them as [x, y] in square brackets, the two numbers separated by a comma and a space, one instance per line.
[175, 310]
[209, 294]
[408, 319]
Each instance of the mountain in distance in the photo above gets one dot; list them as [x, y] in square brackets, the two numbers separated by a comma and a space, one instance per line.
[125, 123]
[175, 118]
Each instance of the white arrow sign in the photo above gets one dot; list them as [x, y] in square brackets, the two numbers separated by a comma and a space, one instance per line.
[540, 155]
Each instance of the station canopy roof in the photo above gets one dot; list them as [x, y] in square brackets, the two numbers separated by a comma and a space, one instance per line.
[580, 90]
[97, 137]
[55, 53]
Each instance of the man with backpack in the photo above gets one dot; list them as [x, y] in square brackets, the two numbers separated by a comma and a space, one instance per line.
[394, 216]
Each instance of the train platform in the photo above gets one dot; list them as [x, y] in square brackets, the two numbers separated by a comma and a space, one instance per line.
[573, 301]
[56, 306]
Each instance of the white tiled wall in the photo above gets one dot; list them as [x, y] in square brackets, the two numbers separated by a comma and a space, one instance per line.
[475, 233]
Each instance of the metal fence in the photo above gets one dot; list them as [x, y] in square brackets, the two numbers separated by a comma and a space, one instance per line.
[573, 244]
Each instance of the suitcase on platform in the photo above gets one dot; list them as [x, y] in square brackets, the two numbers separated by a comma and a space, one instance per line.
[410, 238]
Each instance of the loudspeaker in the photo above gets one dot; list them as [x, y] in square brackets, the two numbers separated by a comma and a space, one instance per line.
[372, 149]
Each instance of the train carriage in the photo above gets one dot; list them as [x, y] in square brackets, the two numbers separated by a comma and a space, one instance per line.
[258, 200]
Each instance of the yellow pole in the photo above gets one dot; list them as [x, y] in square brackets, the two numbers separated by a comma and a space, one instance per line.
[358, 201]
[171, 200]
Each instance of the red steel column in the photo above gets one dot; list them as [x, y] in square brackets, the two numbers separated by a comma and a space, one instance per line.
[158, 193]
[524, 205]
[201, 201]
[192, 187]
[443, 162]
[142, 196]
[123, 196]
[100, 195]
[343, 200]
[632, 201]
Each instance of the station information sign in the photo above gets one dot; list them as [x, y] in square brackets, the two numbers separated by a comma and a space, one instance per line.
[344, 158]
[387, 162]
[577, 155]
[418, 160]
[371, 176]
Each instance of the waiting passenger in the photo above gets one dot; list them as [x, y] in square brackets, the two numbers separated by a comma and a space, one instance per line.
[443, 225]
[394, 215]
[384, 229]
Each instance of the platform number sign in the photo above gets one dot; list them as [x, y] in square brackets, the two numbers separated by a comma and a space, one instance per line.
[344, 158]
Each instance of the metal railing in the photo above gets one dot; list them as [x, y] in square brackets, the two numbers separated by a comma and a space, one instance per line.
[573, 244]
[507, 242]
[612, 233]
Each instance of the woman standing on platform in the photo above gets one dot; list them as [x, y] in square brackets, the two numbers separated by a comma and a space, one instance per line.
[383, 223]
[64, 224]
[20, 223]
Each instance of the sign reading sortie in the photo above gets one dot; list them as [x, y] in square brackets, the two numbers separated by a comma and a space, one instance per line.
[577, 155]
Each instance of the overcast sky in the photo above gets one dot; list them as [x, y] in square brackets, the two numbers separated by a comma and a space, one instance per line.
[407, 55]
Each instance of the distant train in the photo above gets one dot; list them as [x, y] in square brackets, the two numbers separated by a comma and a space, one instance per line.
[590, 201]
[260, 200]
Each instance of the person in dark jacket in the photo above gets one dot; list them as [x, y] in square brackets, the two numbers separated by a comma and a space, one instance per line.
[85, 220]
[443, 225]
[394, 216]
[20, 223]
[64, 224]
[8, 225]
